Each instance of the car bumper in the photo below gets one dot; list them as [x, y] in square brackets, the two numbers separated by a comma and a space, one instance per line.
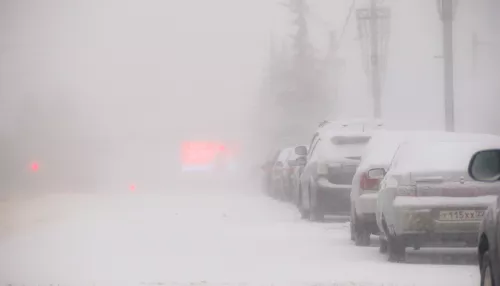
[421, 215]
[366, 205]
[333, 199]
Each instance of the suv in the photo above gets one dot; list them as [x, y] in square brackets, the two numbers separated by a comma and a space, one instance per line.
[325, 182]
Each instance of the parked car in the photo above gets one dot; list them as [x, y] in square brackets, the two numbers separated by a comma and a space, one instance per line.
[283, 170]
[267, 169]
[485, 167]
[299, 164]
[352, 125]
[427, 196]
[375, 162]
[325, 182]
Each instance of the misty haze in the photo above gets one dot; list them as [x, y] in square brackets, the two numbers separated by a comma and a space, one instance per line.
[256, 142]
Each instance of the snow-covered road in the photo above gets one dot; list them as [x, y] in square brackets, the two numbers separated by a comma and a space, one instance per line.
[202, 238]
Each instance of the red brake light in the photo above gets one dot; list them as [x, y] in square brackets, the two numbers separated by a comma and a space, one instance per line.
[34, 166]
[369, 184]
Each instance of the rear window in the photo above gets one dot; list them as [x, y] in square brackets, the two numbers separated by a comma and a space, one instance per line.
[350, 140]
[348, 146]
[439, 156]
[383, 145]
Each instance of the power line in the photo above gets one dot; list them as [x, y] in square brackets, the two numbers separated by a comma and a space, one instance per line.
[346, 22]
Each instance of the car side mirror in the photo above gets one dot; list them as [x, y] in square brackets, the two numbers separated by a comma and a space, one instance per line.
[301, 150]
[484, 166]
[301, 161]
[377, 173]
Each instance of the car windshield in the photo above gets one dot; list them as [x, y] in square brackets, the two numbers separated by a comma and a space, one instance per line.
[153, 142]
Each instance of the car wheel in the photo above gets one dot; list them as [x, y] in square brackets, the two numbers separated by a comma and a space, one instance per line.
[396, 249]
[315, 213]
[304, 213]
[361, 234]
[351, 228]
[486, 271]
[383, 247]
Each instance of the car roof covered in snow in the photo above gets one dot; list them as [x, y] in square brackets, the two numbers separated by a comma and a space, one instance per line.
[443, 155]
[382, 147]
[358, 124]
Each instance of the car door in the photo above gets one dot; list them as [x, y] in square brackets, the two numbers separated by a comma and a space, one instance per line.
[309, 171]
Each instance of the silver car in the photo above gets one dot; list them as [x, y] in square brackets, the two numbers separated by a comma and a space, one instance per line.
[427, 196]
[375, 162]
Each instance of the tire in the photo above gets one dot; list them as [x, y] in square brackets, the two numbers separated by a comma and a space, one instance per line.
[487, 271]
[304, 214]
[351, 228]
[396, 249]
[383, 247]
[315, 212]
[361, 234]
[351, 223]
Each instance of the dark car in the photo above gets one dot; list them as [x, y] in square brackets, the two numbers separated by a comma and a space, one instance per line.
[485, 167]
[325, 182]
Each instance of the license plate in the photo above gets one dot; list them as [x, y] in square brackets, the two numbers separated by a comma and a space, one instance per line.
[463, 215]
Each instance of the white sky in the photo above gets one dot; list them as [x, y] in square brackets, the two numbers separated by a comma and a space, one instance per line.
[154, 65]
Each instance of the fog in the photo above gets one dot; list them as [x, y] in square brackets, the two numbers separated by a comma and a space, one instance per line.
[105, 90]
[108, 87]
[99, 100]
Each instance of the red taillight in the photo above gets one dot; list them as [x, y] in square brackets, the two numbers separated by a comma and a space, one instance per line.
[34, 166]
[369, 184]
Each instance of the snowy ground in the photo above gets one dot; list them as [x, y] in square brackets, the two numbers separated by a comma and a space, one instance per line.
[203, 238]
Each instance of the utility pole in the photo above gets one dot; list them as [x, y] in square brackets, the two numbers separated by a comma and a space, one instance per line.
[447, 10]
[374, 57]
[374, 30]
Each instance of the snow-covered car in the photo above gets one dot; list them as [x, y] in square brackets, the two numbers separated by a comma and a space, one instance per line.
[282, 169]
[351, 125]
[325, 182]
[267, 169]
[428, 197]
[299, 164]
[485, 167]
[375, 162]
